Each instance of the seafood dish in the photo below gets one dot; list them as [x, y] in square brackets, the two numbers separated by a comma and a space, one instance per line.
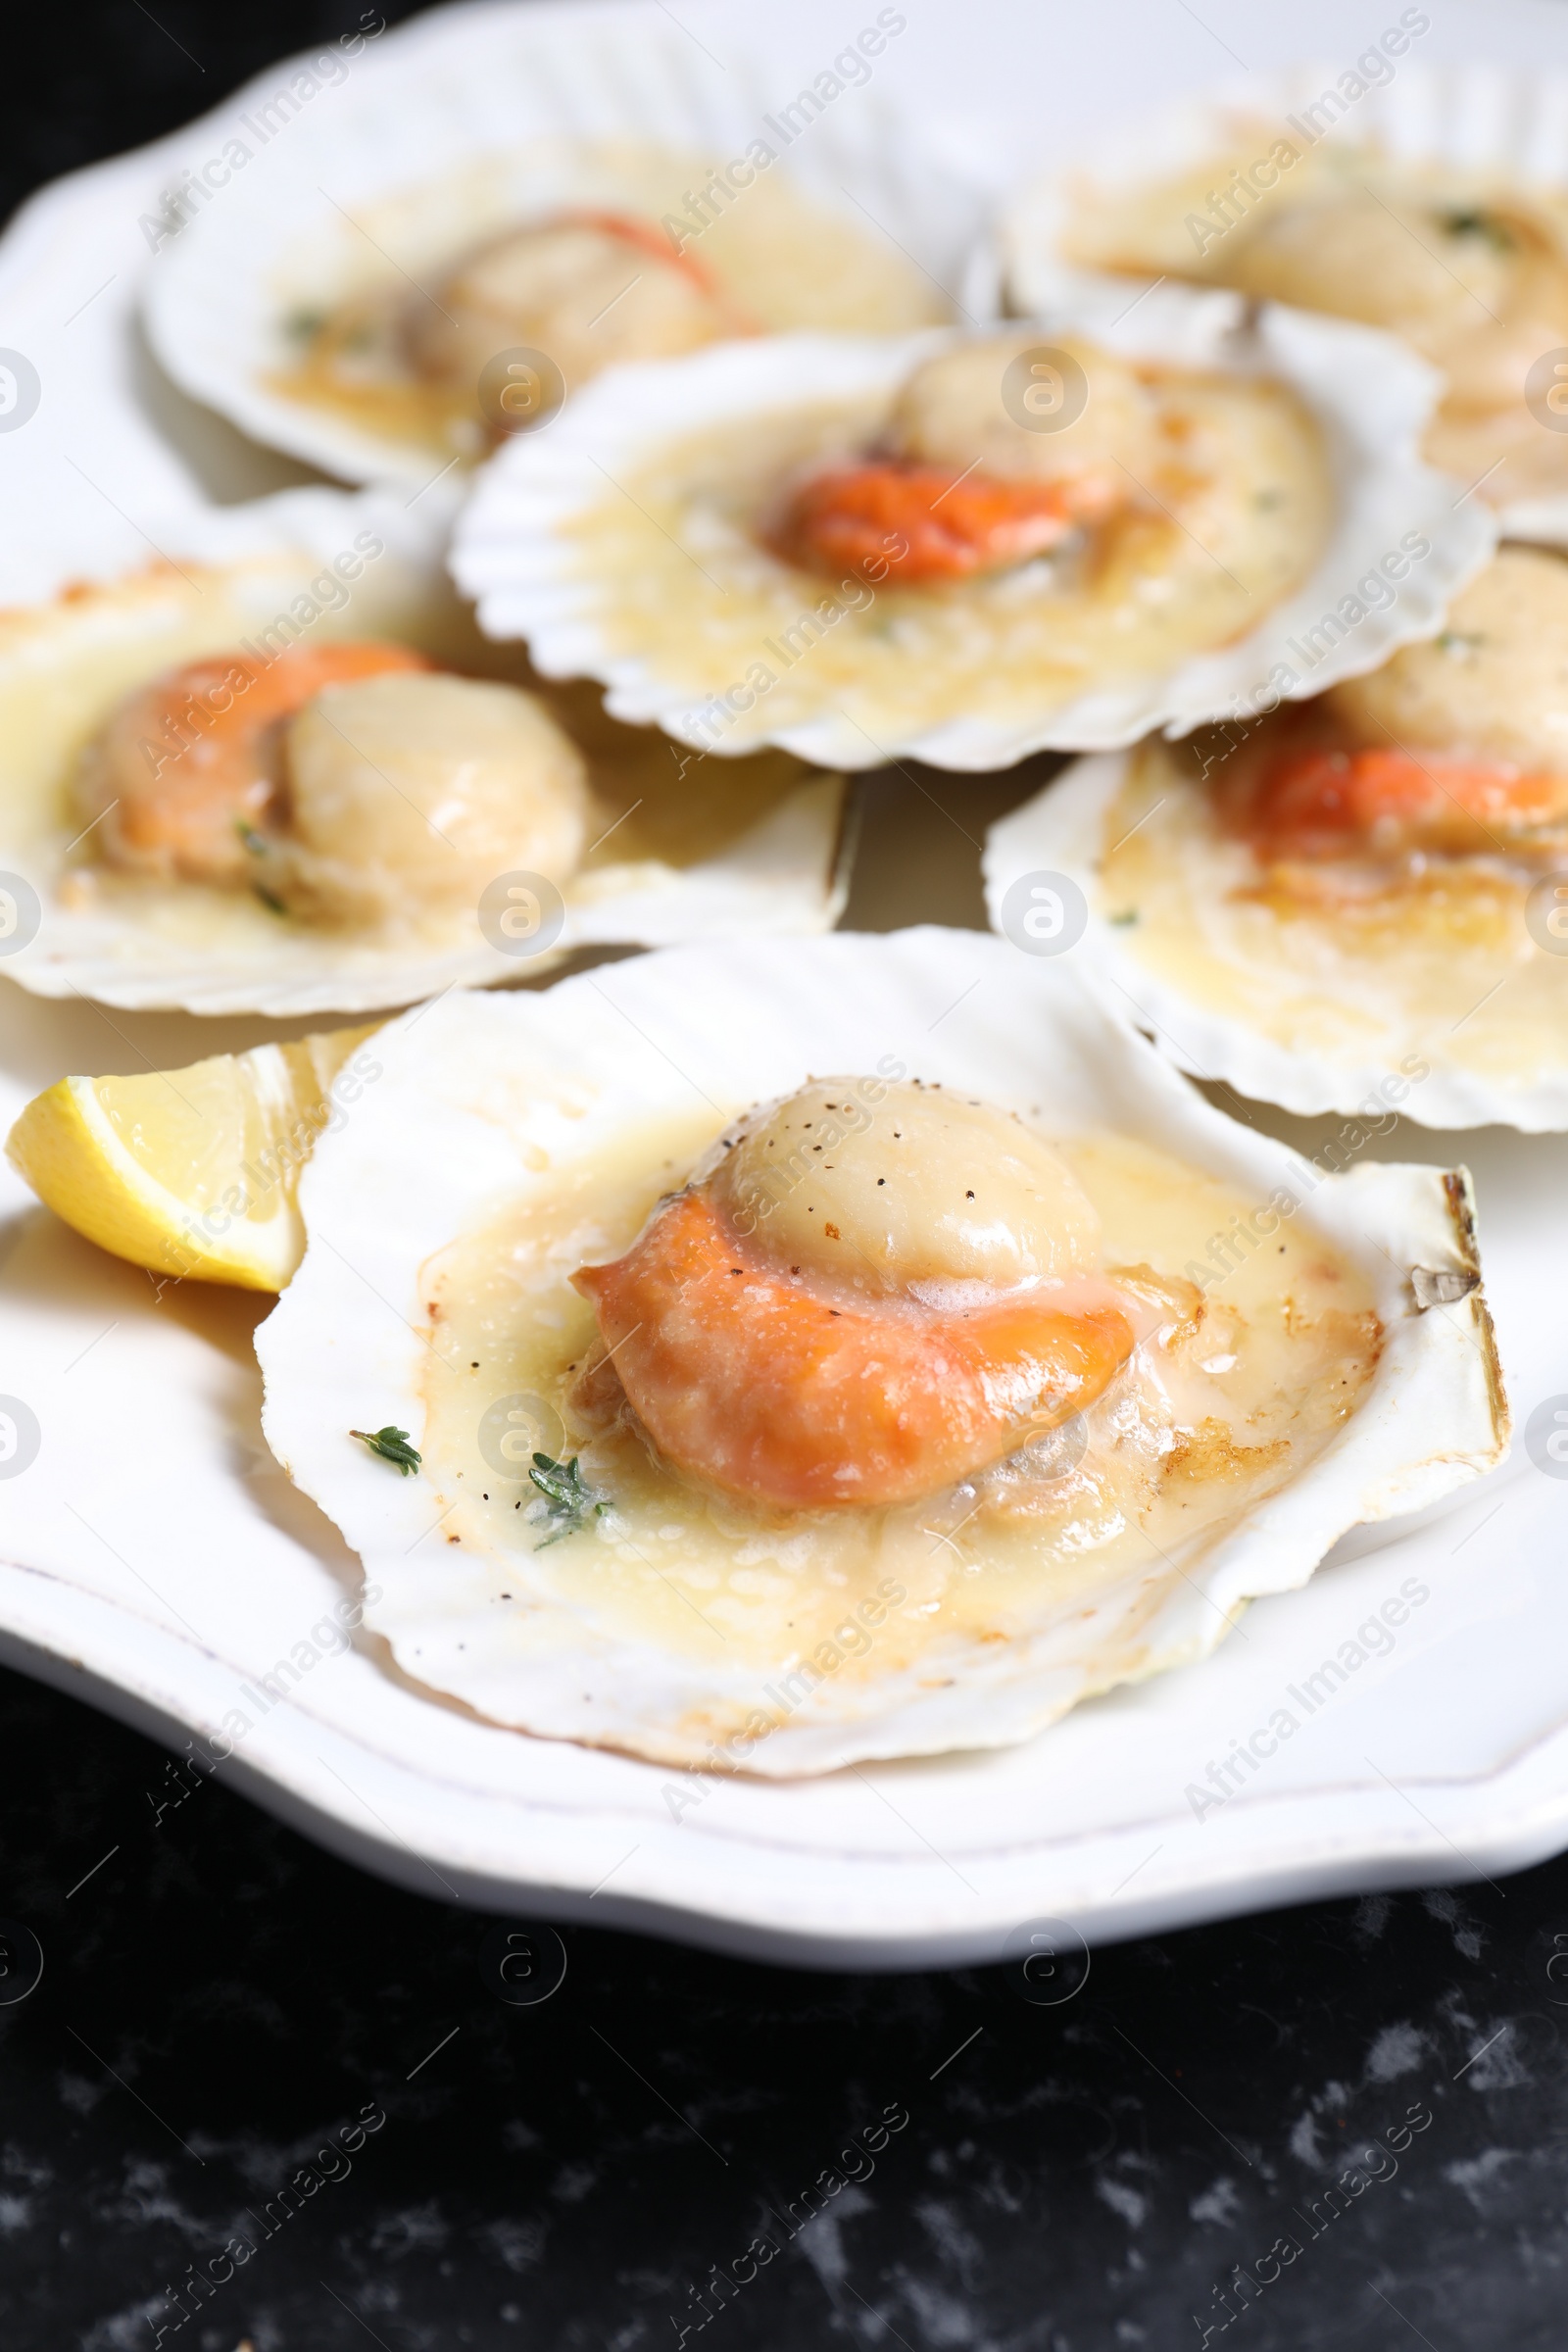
[465, 249]
[285, 779]
[753, 1420]
[1366, 889]
[1437, 209]
[727, 1343]
[968, 548]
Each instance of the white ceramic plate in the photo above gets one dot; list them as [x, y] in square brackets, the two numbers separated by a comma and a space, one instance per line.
[154, 1561]
[164, 1564]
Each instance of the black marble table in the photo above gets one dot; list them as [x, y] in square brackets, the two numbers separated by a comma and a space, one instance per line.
[247, 2064]
[259, 2100]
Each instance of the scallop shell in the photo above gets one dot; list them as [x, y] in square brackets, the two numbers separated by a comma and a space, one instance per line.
[1481, 117]
[476, 1091]
[514, 550]
[63, 664]
[1062, 832]
[448, 130]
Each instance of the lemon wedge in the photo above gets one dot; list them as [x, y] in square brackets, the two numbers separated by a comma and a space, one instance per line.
[192, 1172]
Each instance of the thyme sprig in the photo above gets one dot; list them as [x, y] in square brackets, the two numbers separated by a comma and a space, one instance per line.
[1475, 221]
[572, 1503]
[392, 1444]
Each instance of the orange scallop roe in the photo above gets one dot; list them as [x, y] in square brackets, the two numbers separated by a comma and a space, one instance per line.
[756, 1383]
[915, 522]
[190, 762]
[1320, 802]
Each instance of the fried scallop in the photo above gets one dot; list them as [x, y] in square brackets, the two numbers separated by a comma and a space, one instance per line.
[590, 289]
[411, 790]
[344, 784]
[889, 1333]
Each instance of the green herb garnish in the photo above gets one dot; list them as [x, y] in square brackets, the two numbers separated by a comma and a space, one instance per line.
[257, 846]
[303, 325]
[392, 1444]
[1119, 922]
[571, 1503]
[1474, 223]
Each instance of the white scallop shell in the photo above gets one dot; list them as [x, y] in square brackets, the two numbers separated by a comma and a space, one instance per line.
[427, 106]
[514, 550]
[1061, 831]
[1478, 116]
[441, 1138]
[234, 570]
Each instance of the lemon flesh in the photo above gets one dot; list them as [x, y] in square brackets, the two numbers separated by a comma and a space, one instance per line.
[190, 1172]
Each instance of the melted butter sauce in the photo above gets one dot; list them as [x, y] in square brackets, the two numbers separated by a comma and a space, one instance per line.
[1246, 1392]
[682, 581]
[1438, 962]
